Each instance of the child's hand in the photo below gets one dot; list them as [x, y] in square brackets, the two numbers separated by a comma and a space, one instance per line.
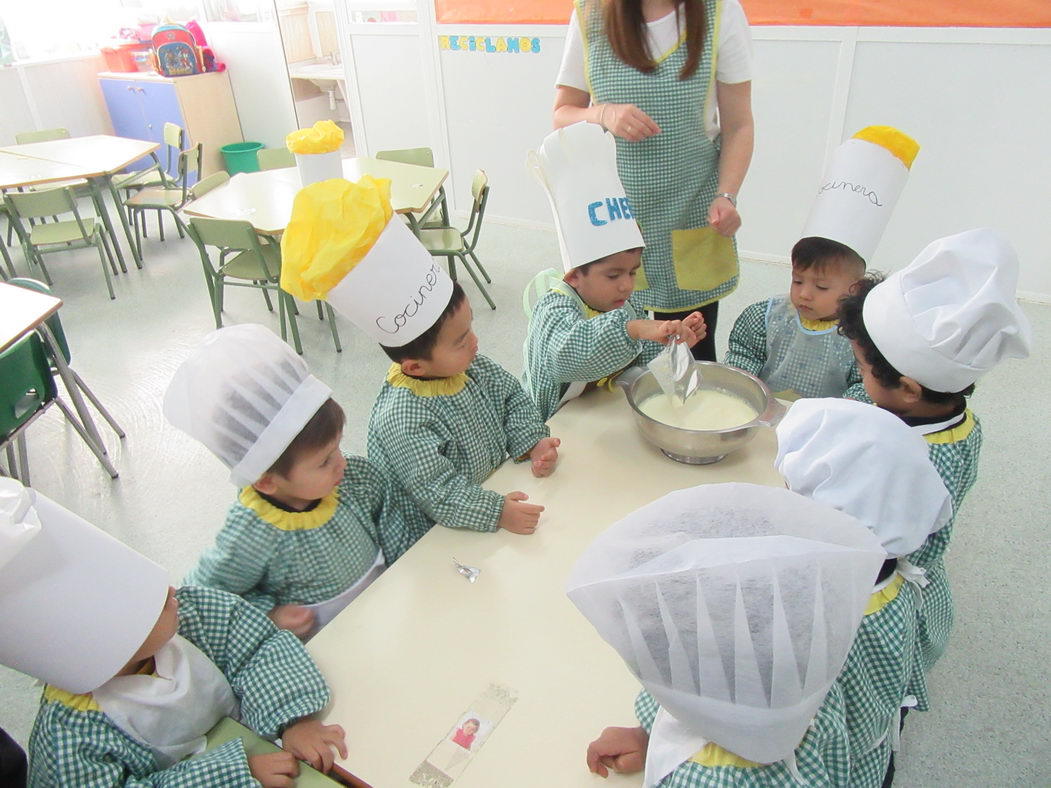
[517, 516]
[544, 456]
[296, 619]
[274, 769]
[312, 741]
[693, 329]
[654, 330]
[621, 749]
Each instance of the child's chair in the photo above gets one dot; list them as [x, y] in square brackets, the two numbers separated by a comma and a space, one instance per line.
[421, 157]
[451, 243]
[79, 185]
[155, 174]
[170, 197]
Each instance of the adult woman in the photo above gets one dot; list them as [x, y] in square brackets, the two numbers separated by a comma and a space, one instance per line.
[643, 69]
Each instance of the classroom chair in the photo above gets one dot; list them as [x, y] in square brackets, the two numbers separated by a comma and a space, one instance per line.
[275, 158]
[79, 185]
[451, 243]
[155, 174]
[170, 197]
[421, 157]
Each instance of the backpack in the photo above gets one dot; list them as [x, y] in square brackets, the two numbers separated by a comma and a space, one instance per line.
[175, 51]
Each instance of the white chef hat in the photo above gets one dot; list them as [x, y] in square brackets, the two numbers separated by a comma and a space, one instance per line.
[75, 604]
[246, 395]
[950, 315]
[735, 605]
[866, 462]
[860, 188]
[577, 166]
[343, 244]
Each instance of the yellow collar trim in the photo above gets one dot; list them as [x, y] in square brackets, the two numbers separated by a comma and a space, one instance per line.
[85, 702]
[885, 595]
[439, 387]
[290, 521]
[588, 311]
[817, 325]
[714, 755]
[954, 434]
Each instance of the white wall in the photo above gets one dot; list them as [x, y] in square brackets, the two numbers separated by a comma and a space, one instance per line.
[56, 93]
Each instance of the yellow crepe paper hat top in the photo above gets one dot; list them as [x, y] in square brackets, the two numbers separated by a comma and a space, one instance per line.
[323, 137]
[897, 142]
[334, 225]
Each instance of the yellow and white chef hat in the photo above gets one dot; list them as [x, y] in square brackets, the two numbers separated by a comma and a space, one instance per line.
[951, 315]
[860, 188]
[75, 604]
[735, 605]
[343, 245]
[246, 395]
[577, 166]
[899, 496]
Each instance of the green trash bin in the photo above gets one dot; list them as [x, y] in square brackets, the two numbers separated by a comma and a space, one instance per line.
[241, 156]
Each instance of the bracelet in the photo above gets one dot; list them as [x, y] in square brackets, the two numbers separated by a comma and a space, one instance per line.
[729, 196]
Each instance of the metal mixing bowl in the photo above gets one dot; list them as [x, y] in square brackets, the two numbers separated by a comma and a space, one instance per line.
[700, 447]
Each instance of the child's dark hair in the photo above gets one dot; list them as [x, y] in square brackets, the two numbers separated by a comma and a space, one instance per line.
[818, 252]
[423, 345]
[852, 326]
[323, 427]
[584, 268]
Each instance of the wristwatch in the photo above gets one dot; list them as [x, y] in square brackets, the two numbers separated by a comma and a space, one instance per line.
[729, 196]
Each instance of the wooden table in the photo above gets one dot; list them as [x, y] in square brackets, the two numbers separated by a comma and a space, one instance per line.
[265, 198]
[407, 657]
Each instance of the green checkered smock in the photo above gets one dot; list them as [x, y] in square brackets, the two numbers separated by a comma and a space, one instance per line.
[273, 557]
[567, 342]
[770, 341]
[440, 439]
[822, 758]
[75, 745]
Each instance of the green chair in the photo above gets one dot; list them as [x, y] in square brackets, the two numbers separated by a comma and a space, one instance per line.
[79, 185]
[170, 197]
[451, 243]
[247, 260]
[60, 236]
[421, 157]
[275, 158]
[3, 247]
[156, 174]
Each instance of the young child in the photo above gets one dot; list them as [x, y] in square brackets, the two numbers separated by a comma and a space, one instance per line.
[821, 444]
[311, 527]
[587, 326]
[138, 672]
[791, 343]
[735, 605]
[445, 417]
[922, 337]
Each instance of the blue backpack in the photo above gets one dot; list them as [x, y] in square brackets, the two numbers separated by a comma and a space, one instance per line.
[175, 51]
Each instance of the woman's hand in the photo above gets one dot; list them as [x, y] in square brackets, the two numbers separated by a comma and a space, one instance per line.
[627, 121]
[723, 216]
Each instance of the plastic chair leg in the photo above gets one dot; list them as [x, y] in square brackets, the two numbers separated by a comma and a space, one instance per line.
[100, 455]
[291, 311]
[320, 311]
[94, 400]
[480, 268]
[478, 282]
[7, 260]
[39, 259]
[23, 460]
[109, 253]
[332, 327]
[266, 296]
[160, 225]
[105, 267]
[217, 302]
[451, 262]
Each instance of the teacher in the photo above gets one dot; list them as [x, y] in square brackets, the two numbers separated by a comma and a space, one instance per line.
[643, 69]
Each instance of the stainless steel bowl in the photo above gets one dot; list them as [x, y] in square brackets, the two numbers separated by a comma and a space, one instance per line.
[700, 447]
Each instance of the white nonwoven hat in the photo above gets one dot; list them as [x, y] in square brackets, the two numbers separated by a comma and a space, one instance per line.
[860, 188]
[75, 604]
[735, 605]
[577, 166]
[244, 394]
[865, 462]
[951, 315]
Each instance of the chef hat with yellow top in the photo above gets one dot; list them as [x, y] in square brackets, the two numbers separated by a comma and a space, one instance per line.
[577, 166]
[343, 245]
[246, 395]
[951, 315]
[860, 188]
[735, 605]
[75, 604]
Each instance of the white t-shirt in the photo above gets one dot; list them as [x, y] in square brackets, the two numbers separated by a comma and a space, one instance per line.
[733, 63]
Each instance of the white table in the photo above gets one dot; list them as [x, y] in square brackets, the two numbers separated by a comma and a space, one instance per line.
[411, 653]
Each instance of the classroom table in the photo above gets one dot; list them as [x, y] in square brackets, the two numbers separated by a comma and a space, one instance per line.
[265, 198]
[409, 655]
[95, 158]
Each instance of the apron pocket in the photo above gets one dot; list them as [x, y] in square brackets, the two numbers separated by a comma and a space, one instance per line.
[703, 259]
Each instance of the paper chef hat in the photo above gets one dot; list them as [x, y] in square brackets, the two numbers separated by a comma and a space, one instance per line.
[577, 166]
[75, 604]
[951, 315]
[734, 604]
[861, 187]
[342, 245]
[865, 462]
[244, 394]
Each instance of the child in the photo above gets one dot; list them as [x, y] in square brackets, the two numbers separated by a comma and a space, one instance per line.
[791, 342]
[587, 326]
[311, 527]
[735, 605]
[821, 444]
[137, 672]
[922, 337]
[445, 417]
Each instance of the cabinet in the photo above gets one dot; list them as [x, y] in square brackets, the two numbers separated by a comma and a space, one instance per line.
[203, 105]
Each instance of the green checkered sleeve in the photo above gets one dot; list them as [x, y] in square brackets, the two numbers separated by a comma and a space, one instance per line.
[747, 346]
[646, 709]
[523, 425]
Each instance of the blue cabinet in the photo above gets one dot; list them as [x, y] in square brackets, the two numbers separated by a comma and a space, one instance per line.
[140, 109]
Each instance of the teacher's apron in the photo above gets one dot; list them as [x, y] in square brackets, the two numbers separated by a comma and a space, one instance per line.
[671, 177]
